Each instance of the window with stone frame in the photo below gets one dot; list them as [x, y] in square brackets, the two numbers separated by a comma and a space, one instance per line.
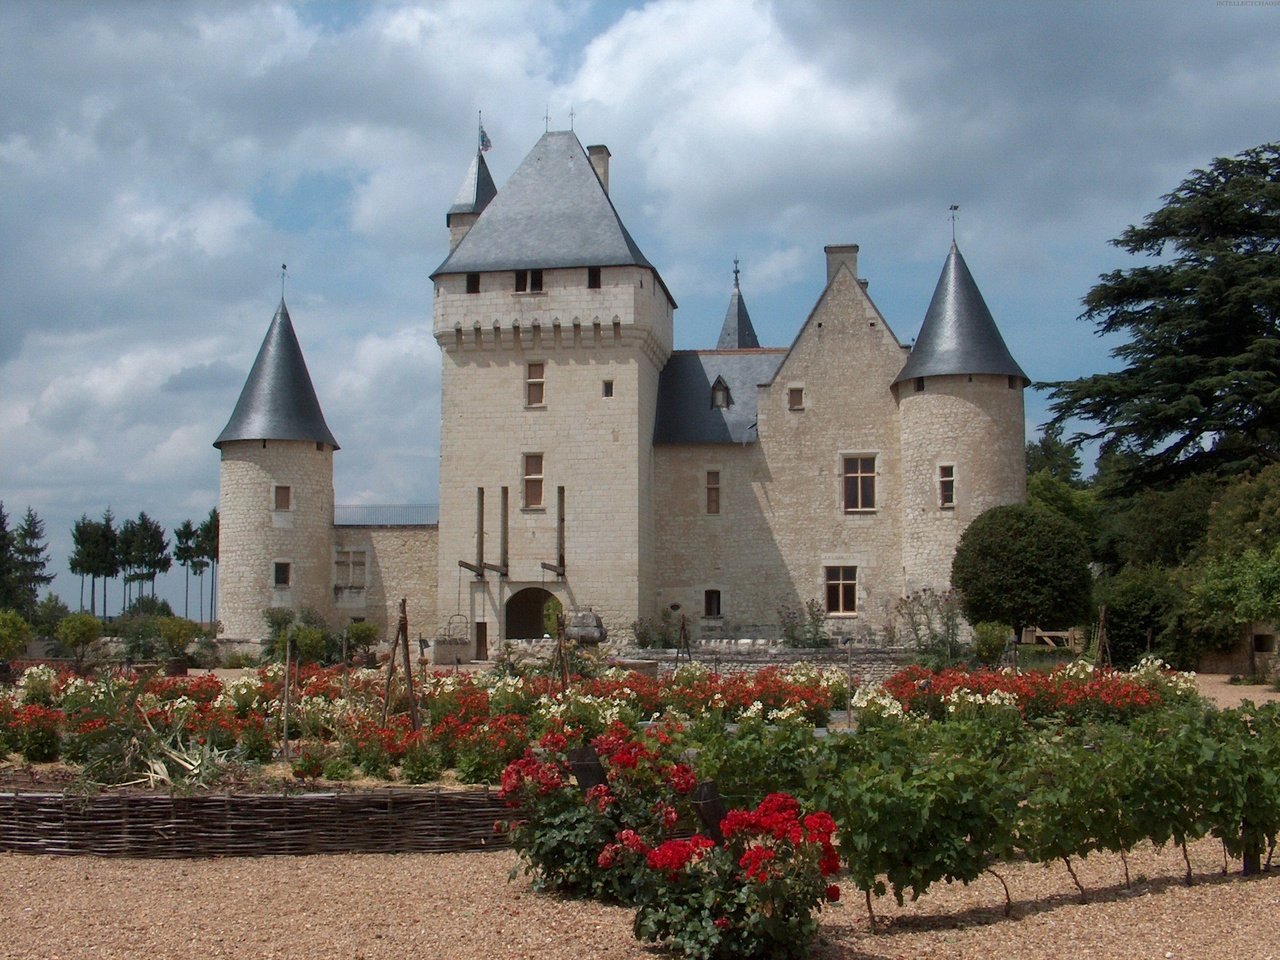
[282, 574]
[795, 398]
[282, 498]
[859, 476]
[947, 486]
[535, 384]
[842, 590]
[711, 604]
[713, 492]
[473, 283]
[349, 569]
[533, 476]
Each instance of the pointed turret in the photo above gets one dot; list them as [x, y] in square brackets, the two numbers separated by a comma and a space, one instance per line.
[278, 401]
[959, 335]
[473, 196]
[737, 332]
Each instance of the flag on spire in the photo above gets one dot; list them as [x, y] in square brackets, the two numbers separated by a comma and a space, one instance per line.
[485, 143]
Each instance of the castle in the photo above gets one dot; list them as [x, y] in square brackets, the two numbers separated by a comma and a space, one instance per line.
[584, 459]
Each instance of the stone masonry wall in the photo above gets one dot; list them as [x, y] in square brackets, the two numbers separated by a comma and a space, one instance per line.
[401, 563]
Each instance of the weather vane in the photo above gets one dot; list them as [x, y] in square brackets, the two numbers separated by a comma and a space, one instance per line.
[954, 208]
[284, 272]
[546, 120]
[571, 117]
[735, 273]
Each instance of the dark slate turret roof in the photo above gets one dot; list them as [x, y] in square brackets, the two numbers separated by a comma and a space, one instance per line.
[685, 413]
[476, 190]
[958, 335]
[278, 401]
[737, 332]
[553, 212]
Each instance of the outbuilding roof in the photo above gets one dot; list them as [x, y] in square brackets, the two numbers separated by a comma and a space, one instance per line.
[737, 332]
[686, 413]
[278, 401]
[958, 335]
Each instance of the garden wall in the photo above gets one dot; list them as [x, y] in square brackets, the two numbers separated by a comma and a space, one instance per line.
[151, 826]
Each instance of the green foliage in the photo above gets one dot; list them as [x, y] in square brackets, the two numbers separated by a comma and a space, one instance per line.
[49, 613]
[1197, 390]
[1077, 505]
[362, 637]
[422, 762]
[1054, 458]
[148, 606]
[1144, 607]
[79, 634]
[24, 558]
[664, 634]
[758, 759]
[807, 628]
[1246, 514]
[176, 634]
[931, 621]
[990, 641]
[1157, 527]
[1024, 566]
[15, 634]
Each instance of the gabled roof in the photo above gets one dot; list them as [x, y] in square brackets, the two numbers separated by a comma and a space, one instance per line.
[958, 335]
[685, 412]
[477, 188]
[737, 332]
[278, 401]
[553, 212]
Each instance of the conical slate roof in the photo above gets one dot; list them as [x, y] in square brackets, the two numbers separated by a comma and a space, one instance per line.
[278, 401]
[959, 335]
[737, 332]
[477, 188]
[553, 212]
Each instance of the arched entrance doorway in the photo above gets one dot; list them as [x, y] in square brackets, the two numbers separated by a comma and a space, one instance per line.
[527, 613]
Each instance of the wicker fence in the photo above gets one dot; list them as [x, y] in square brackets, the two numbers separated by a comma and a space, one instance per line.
[146, 825]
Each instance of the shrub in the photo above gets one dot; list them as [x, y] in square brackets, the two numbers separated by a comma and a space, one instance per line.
[79, 634]
[422, 762]
[39, 739]
[255, 744]
[176, 634]
[990, 641]
[362, 637]
[15, 634]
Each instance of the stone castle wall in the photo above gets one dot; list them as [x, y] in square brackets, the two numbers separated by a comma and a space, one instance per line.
[401, 563]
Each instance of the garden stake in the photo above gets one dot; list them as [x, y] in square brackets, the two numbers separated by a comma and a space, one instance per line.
[1008, 903]
[284, 734]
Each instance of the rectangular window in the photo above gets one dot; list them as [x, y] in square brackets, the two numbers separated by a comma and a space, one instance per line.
[919, 384]
[282, 574]
[349, 569]
[522, 281]
[713, 491]
[593, 278]
[535, 281]
[284, 498]
[607, 388]
[842, 590]
[535, 384]
[473, 283]
[795, 398]
[859, 484]
[946, 486]
[532, 481]
[711, 603]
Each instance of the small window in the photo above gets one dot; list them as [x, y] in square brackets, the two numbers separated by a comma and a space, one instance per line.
[532, 481]
[284, 498]
[1264, 643]
[283, 573]
[593, 278]
[349, 569]
[842, 590]
[946, 486]
[711, 604]
[919, 384]
[713, 491]
[473, 283]
[720, 398]
[535, 281]
[522, 281]
[795, 398]
[535, 384]
[859, 484]
[606, 388]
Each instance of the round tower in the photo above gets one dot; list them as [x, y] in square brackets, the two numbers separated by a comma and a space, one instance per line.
[275, 545]
[960, 403]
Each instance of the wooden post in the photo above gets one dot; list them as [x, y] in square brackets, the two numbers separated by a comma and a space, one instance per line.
[284, 733]
[587, 768]
[710, 808]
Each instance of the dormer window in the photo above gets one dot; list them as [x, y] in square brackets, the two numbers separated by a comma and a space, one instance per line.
[720, 398]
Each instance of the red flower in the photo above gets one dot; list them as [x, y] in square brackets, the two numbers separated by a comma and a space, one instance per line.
[722, 923]
[833, 893]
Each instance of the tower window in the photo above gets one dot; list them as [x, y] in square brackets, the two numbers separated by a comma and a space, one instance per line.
[711, 604]
[713, 491]
[606, 388]
[283, 574]
[522, 281]
[535, 384]
[842, 590]
[919, 384]
[535, 281]
[795, 398]
[859, 484]
[593, 278]
[720, 399]
[283, 498]
[473, 283]
[1014, 383]
[946, 486]
[532, 481]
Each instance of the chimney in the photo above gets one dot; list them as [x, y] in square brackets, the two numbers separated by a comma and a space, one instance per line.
[841, 253]
[599, 155]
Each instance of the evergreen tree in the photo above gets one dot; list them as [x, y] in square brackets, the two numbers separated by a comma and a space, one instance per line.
[150, 551]
[80, 562]
[8, 580]
[1054, 456]
[1199, 392]
[208, 540]
[30, 560]
[184, 552]
[106, 555]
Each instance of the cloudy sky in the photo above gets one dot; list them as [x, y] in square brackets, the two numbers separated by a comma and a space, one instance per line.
[159, 161]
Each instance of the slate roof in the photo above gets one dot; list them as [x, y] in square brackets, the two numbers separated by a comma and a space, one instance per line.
[958, 335]
[737, 332]
[553, 212]
[477, 188]
[278, 401]
[685, 413]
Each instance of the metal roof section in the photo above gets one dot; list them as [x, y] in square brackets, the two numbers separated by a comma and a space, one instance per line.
[477, 188]
[737, 332]
[685, 411]
[278, 401]
[553, 212]
[959, 335]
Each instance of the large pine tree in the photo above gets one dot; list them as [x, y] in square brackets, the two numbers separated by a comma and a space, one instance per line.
[1199, 389]
[30, 561]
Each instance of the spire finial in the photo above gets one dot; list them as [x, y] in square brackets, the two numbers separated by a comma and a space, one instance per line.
[546, 120]
[735, 273]
[571, 117]
[954, 208]
[284, 272]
